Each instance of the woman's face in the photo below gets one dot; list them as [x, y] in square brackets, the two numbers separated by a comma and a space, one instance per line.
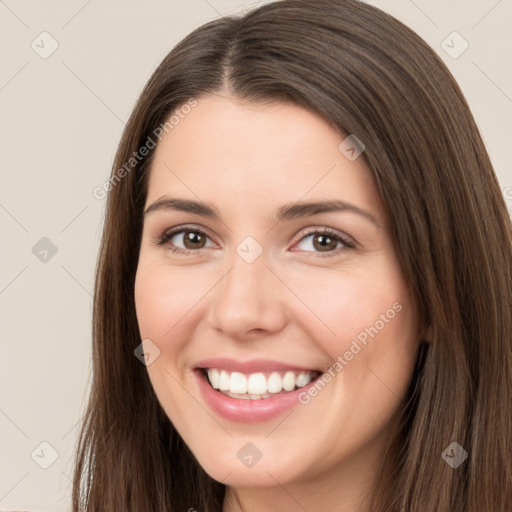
[250, 288]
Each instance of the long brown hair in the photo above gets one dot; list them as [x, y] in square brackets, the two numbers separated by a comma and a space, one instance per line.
[366, 74]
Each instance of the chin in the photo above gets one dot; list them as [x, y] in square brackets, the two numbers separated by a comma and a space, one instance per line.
[231, 471]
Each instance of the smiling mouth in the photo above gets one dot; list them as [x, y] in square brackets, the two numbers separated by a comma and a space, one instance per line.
[259, 385]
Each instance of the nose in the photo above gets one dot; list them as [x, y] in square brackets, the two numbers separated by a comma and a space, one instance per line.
[248, 301]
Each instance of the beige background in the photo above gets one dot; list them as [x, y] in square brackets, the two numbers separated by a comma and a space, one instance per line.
[62, 118]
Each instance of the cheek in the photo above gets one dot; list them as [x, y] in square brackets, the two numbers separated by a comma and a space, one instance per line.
[367, 323]
[161, 304]
[164, 297]
[344, 305]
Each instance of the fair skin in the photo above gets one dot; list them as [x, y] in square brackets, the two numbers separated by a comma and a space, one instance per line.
[290, 304]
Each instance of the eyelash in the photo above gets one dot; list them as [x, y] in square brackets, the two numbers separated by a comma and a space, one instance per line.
[163, 239]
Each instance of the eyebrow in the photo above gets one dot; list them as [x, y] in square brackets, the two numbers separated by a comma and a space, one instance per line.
[288, 211]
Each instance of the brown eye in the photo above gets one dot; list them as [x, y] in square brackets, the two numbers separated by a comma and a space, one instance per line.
[325, 241]
[184, 240]
[193, 240]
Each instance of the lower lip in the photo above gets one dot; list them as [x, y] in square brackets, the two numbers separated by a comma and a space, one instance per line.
[248, 411]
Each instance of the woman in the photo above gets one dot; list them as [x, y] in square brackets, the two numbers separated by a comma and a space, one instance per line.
[303, 290]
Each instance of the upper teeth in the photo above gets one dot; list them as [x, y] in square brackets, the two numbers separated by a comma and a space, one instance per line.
[258, 383]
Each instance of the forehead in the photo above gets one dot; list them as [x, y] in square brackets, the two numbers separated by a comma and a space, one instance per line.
[229, 152]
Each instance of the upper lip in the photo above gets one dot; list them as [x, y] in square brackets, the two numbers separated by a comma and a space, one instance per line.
[251, 366]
